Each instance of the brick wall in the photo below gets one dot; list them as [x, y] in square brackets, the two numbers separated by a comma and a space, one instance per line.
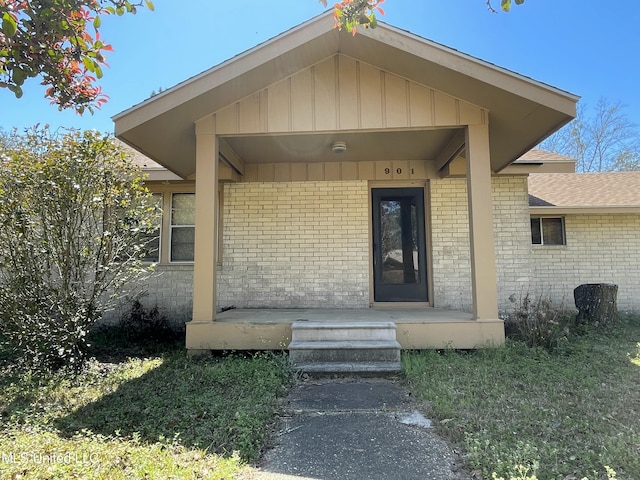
[512, 232]
[306, 245]
[449, 226]
[599, 249]
[170, 288]
[450, 240]
[295, 245]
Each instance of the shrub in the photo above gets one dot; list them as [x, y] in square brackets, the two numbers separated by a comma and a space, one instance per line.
[75, 219]
[537, 323]
[142, 324]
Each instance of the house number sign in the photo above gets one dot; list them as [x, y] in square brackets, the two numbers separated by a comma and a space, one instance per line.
[400, 170]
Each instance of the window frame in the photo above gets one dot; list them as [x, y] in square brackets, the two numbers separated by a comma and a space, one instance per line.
[160, 228]
[541, 219]
[172, 226]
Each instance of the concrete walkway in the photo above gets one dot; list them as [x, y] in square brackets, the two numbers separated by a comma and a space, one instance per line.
[357, 429]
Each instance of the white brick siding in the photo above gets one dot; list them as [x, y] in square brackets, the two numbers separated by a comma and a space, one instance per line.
[170, 288]
[451, 267]
[306, 245]
[512, 233]
[599, 249]
[450, 240]
[295, 245]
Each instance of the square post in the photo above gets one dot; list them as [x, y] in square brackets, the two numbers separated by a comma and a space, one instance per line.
[484, 289]
[206, 230]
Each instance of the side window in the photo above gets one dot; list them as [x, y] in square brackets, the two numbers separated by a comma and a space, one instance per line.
[183, 221]
[151, 238]
[547, 231]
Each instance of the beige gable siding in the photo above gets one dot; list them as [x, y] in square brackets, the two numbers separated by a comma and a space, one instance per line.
[295, 245]
[341, 93]
[599, 249]
[450, 240]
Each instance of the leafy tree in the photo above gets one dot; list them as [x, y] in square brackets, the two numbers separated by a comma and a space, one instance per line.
[74, 223]
[51, 38]
[600, 139]
[349, 14]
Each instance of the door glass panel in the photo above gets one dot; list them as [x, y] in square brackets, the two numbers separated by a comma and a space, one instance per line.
[399, 241]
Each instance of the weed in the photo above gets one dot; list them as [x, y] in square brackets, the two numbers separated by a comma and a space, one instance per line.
[147, 324]
[537, 323]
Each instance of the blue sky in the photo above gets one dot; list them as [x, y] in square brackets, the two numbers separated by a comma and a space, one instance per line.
[584, 47]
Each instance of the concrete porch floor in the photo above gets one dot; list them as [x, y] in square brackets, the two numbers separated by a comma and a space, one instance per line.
[270, 329]
[383, 314]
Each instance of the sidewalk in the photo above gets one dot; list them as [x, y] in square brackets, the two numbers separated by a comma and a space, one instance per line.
[357, 429]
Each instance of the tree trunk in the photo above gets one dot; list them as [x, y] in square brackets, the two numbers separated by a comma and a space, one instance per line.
[596, 303]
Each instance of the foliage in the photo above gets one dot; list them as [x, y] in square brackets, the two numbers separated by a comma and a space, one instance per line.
[142, 324]
[73, 217]
[537, 323]
[524, 412]
[349, 14]
[166, 416]
[51, 38]
[604, 140]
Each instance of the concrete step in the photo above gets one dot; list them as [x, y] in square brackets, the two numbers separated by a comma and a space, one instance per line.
[384, 351]
[345, 347]
[326, 331]
[350, 368]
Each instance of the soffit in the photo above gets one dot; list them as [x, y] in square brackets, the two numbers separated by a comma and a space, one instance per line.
[361, 146]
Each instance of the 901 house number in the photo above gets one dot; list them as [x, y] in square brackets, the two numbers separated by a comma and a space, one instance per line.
[387, 171]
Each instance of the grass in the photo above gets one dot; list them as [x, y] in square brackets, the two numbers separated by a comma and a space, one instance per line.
[523, 412]
[155, 415]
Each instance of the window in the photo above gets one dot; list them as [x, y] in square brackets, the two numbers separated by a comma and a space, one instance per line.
[151, 238]
[547, 231]
[183, 219]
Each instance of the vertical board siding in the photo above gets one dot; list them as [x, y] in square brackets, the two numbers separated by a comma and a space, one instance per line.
[348, 104]
[342, 93]
[325, 95]
[370, 97]
[278, 107]
[396, 110]
[302, 101]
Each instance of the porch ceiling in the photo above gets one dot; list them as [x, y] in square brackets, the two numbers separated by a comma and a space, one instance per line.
[522, 112]
[361, 146]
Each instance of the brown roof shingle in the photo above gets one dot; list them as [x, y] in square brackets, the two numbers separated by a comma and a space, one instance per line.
[610, 189]
[538, 155]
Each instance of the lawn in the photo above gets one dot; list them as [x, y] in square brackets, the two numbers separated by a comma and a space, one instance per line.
[158, 415]
[520, 411]
[516, 411]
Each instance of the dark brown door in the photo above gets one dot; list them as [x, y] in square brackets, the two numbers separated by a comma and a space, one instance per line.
[399, 245]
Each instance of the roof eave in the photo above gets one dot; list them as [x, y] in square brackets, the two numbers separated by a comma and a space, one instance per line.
[586, 210]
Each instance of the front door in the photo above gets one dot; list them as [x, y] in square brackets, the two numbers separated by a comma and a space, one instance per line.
[399, 245]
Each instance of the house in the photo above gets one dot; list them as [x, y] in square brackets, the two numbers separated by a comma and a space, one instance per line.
[377, 176]
[585, 229]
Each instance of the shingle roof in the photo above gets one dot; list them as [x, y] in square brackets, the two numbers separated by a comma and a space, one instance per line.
[538, 155]
[610, 189]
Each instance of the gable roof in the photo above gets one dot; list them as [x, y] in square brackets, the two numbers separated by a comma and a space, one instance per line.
[522, 112]
[584, 192]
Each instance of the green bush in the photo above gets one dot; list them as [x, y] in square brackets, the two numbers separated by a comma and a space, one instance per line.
[75, 220]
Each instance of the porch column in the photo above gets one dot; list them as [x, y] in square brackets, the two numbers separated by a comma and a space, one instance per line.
[206, 234]
[484, 288]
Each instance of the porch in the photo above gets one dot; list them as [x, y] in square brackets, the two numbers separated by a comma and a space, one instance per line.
[270, 329]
